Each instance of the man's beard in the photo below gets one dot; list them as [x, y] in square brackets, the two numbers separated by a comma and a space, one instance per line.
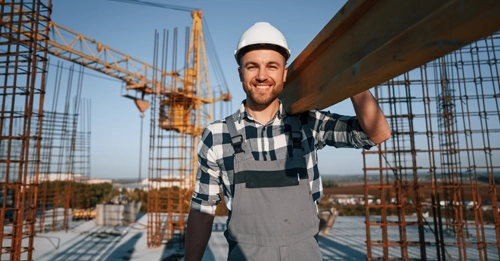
[263, 99]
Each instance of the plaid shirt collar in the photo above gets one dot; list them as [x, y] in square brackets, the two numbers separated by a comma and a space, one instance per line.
[242, 113]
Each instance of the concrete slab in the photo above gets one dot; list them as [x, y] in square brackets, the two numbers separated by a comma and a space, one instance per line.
[88, 241]
[345, 241]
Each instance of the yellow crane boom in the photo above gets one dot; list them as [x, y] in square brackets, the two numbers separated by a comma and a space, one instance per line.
[138, 75]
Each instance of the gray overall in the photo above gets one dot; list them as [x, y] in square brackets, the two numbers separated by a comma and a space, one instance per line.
[273, 215]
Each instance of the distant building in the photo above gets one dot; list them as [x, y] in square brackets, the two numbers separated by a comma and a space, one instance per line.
[99, 181]
[57, 176]
[344, 199]
[44, 177]
[130, 187]
[168, 183]
[147, 184]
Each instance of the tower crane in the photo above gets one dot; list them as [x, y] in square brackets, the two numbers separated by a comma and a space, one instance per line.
[184, 106]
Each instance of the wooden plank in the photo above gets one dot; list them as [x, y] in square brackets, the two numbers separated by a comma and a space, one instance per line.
[371, 41]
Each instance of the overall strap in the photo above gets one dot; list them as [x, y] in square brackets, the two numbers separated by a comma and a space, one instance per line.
[303, 122]
[236, 139]
[239, 145]
[296, 135]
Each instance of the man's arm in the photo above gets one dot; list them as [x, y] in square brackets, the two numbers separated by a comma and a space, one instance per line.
[370, 117]
[199, 228]
[206, 197]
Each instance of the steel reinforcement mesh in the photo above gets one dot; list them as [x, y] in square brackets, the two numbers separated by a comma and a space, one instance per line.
[435, 194]
[22, 86]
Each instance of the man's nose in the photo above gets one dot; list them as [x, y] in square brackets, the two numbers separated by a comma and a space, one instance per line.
[262, 75]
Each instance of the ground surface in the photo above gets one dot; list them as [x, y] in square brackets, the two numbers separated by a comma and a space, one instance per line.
[345, 241]
[90, 242]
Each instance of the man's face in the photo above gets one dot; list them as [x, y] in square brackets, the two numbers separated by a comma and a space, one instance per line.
[262, 74]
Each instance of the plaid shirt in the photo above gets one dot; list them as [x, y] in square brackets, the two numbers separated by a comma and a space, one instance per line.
[268, 142]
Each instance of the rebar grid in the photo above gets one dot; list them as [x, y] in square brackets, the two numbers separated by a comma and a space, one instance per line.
[80, 198]
[62, 188]
[178, 115]
[436, 191]
[172, 148]
[22, 77]
[61, 166]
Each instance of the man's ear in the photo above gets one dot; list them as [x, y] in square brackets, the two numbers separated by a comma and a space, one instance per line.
[285, 72]
[240, 74]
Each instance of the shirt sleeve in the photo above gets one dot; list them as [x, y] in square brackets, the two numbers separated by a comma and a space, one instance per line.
[206, 195]
[340, 131]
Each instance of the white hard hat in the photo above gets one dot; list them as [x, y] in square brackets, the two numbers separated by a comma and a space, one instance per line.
[259, 35]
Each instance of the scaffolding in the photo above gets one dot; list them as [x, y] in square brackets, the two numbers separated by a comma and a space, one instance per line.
[436, 175]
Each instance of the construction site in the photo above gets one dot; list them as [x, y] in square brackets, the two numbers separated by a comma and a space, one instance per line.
[428, 193]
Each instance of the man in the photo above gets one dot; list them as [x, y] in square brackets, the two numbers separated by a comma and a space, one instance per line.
[265, 160]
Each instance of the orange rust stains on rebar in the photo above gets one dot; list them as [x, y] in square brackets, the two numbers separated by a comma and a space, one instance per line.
[438, 173]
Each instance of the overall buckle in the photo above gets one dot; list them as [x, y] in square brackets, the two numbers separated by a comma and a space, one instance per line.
[297, 139]
[236, 141]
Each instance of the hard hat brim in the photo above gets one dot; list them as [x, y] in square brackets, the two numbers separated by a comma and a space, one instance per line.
[241, 52]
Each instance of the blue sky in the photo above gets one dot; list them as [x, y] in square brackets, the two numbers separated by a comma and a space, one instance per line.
[130, 29]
